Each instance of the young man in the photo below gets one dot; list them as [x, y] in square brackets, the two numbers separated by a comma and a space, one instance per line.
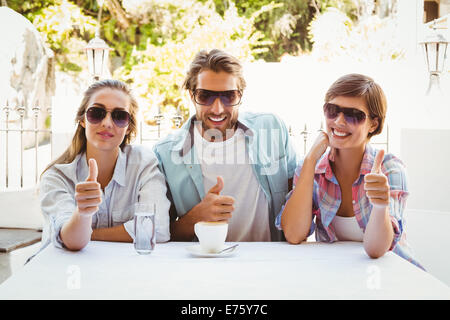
[225, 165]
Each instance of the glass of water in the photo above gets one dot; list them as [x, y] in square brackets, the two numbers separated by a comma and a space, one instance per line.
[144, 227]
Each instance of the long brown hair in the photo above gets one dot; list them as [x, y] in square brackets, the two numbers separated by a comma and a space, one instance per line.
[78, 144]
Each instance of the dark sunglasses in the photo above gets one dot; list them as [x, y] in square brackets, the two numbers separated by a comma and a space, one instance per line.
[228, 98]
[351, 115]
[95, 115]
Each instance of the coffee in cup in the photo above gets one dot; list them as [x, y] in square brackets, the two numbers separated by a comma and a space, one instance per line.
[211, 235]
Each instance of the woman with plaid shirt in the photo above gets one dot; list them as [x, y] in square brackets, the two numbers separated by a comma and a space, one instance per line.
[354, 192]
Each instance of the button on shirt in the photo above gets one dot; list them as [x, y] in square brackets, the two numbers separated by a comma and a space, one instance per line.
[136, 178]
[327, 199]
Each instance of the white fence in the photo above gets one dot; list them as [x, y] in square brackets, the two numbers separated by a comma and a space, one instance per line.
[21, 163]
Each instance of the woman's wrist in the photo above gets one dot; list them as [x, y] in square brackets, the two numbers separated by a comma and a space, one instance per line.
[82, 221]
[78, 217]
[380, 212]
[310, 161]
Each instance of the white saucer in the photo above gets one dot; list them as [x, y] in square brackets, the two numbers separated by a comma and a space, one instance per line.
[196, 251]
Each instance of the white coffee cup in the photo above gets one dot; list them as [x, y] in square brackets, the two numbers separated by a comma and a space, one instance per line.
[211, 235]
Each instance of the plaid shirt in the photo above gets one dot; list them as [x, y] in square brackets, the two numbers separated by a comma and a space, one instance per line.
[327, 199]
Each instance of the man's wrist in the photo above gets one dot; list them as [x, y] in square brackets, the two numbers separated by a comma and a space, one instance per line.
[192, 216]
[182, 229]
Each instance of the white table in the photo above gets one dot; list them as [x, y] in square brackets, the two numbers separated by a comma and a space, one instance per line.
[274, 270]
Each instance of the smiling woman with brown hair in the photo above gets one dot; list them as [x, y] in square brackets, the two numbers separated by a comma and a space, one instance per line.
[354, 192]
[89, 192]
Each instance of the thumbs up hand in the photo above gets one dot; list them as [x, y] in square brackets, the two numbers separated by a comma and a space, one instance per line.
[376, 168]
[88, 194]
[93, 170]
[214, 207]
[376, 183]
[217, 188]
[319, 147]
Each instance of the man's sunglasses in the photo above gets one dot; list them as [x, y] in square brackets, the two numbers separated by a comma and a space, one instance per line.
[229, 98]
[352, 116]
[95, 115]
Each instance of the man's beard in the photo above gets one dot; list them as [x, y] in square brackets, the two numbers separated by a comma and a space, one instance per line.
[215, 134]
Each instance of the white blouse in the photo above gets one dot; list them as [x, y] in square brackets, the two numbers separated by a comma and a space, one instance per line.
[136, 178]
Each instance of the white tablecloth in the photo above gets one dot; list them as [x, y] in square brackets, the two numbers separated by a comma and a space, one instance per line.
[274, 270]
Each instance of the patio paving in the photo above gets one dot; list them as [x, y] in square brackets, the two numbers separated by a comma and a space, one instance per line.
[11, 239]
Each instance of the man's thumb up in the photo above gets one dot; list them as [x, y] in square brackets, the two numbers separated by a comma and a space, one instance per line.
[217, 188]
[93, 170]
[378, 161]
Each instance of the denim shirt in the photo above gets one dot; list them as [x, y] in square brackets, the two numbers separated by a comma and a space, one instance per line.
[271, 155]
[136, 178]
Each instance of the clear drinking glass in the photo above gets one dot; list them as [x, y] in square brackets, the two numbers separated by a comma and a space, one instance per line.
[144, 228]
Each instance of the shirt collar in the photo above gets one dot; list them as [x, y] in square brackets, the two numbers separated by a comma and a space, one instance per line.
[324, 167]
[187, 141]
[70, 169]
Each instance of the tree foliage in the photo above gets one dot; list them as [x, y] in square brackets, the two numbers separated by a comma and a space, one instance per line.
[287, 25]
[153, 41]
[156, 72]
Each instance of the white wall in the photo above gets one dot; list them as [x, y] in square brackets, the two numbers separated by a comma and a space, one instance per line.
[426, 153]
[67, 99]
[21, 209]
[427, 234]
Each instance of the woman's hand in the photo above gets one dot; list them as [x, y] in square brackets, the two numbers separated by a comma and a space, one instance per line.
[379, 232]
[376, 184]
[319, 147]
[88, 194]
[76, 232]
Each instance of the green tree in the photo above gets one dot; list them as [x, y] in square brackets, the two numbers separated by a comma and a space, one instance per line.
[65, 29]
[156, 72]
[153, 40]
[287, 25]
[29, 8]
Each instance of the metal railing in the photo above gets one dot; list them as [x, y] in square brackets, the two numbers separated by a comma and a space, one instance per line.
[9, 127]
[305, 135]
[147, 135]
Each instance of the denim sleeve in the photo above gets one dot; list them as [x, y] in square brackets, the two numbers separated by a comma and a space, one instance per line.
[57, 203]
[172, 211]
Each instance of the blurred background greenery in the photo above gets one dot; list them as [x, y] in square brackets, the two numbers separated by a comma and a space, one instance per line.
[153, 41]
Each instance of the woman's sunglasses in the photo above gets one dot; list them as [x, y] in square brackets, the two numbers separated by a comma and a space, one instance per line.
[95, 115]
[352, 116]
[229, 98]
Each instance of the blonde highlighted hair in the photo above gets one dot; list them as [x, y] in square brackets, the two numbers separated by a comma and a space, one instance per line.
[78, 144]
